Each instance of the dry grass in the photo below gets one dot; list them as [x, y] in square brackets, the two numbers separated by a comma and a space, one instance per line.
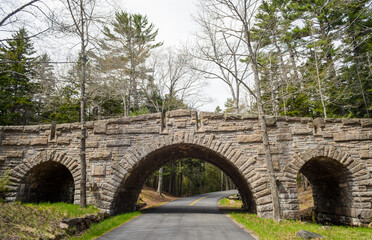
[151, 198]
[306, 203]
[305, 198]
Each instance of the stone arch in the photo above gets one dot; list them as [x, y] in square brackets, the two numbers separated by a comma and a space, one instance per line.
[336, 178]
[180, 145]
[50, 159]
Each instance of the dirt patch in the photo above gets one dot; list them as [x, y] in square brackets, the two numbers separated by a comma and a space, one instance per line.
[149, 198]
[306, 203]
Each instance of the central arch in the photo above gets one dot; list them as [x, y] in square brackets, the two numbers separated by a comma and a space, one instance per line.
[127, 193]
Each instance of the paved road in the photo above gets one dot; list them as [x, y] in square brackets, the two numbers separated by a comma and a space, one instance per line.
[196, 217]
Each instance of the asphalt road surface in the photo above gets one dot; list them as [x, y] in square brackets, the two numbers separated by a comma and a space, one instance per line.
[190, 218]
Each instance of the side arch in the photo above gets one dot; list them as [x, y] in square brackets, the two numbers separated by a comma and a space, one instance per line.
[356, 167]
[183, 144]
[20, 172]
[339, 184]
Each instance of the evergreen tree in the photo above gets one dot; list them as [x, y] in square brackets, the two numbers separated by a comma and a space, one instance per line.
[44, 76]
[16, 86]
[356, 72]
[127, 45]
[64, 106]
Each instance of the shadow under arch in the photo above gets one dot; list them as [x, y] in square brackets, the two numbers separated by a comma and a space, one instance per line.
[127, 193]
[330, 187]
[47, 182]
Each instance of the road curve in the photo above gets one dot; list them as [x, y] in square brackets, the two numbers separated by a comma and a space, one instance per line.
[196, 217]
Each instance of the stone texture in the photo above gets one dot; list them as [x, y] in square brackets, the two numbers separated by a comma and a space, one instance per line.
[284, 137]
[118, 143]
[366, 122]
[339, 137]
[254, 138]
[39, 141]
[14, 154]
[98, 170]
[99, 155]
[100, 128]
[125, 150]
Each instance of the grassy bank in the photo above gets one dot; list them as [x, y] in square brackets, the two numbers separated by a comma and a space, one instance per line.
[35, 221]
[98, 229]
[268, 229]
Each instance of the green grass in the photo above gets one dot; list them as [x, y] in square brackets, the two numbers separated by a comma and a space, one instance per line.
[34, 221]
[230, 204]
[98, 229]
[65, 209]
[267, 229]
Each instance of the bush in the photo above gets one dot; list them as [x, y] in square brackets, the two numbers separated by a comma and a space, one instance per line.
[4, 181]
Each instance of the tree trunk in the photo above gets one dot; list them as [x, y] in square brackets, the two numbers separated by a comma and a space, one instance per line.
[83, 197]
[226, 183]
[268, 156]
[283, 76]
[237, 107]
[170, 179]
[262, 122]
[221, 180]
[180, 180]
[293, 62]
[160, 182]
[357, 64]
[273, 89]
[318, 76]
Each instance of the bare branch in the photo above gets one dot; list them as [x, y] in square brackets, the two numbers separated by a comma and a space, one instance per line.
[17, 11]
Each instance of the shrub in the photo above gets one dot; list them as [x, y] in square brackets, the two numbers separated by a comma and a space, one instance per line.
[4, 181]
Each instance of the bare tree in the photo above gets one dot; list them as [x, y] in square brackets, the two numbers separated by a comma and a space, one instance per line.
[173, 82]
[173, 85]
[36, 16]
[221, 53]
[242, 13]
[15, 11]
[81, 12]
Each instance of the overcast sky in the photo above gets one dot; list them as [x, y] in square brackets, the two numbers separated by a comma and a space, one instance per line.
[174, 20]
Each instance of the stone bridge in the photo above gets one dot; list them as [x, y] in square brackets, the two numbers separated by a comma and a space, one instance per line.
[334, 154]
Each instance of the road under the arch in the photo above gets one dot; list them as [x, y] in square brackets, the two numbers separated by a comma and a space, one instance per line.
[196, 217]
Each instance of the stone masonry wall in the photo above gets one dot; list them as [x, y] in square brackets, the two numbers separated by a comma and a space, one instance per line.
[117, 147]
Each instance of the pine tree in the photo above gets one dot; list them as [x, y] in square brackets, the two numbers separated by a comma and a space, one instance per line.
[16, 86]
[126, 47]
[356, 73]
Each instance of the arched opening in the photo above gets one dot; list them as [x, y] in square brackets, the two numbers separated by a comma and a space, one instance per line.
[47, 182]
[126, 196]
[330, 190]
[189, 176]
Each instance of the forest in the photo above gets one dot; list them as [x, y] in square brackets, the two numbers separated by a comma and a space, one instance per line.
[298, 58]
